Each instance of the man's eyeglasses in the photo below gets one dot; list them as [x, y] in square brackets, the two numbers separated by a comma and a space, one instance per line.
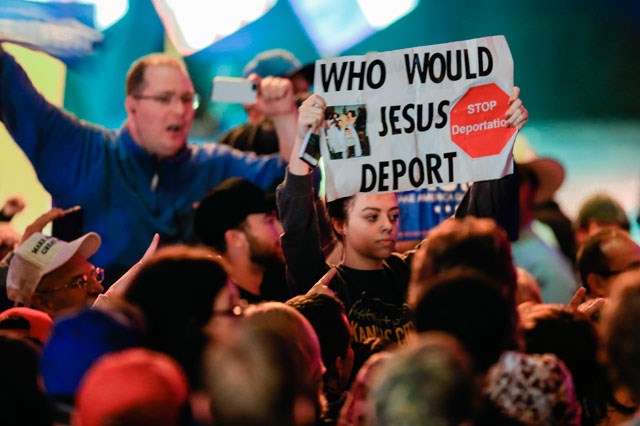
[81, 281]
[166, 99]
[235, 312]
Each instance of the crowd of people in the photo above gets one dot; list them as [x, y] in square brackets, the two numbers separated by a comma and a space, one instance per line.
[212, 285]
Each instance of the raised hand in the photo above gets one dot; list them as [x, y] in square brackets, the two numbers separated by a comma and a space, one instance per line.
[322, 286]
[517, 115]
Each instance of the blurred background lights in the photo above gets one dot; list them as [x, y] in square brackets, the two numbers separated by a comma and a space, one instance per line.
[381, 14]
[108, 12]
[336, 25]
[193, 25]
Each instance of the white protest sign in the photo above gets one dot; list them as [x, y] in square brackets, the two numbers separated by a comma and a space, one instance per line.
[418, 117]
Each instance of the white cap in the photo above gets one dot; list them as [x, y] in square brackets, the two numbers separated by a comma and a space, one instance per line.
[39, 255]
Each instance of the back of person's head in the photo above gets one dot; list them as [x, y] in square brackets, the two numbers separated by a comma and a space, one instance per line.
[31, 323]
[134, 387]
[606, 254]
[599, 212]
[573, 338]
[569, 335]
[603, 210]
[620, 334]
[272, 63]
[76, 342]
[292, 325]
[251, 380]
[175, 291]
[591, 256]
[327, 317]
[22, 401]
[430, 382]
[355, 410]
[15, 326]
[135, 82]
[534, 390]
[282, 63]
[473, 243]
[467, 305]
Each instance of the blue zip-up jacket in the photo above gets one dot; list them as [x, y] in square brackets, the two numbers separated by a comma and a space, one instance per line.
[126, 193]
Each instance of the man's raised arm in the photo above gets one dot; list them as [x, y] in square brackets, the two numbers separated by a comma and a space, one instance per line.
[276, 99]
[62, 150]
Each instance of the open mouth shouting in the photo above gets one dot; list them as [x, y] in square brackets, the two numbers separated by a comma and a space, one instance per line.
[175, 128]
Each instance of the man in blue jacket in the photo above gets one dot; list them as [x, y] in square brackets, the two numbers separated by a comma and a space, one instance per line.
[144, 177]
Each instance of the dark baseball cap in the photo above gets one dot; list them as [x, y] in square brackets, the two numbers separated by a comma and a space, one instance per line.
[226, 206]
[279, 63]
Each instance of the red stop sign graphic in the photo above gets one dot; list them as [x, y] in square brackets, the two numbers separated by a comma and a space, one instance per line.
[477, 121]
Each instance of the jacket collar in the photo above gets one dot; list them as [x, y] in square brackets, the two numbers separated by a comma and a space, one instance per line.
[143, 156]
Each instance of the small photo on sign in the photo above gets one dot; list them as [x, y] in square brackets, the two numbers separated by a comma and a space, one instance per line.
[345, 131]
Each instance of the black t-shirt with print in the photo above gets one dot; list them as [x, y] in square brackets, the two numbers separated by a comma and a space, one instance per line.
[375, 300]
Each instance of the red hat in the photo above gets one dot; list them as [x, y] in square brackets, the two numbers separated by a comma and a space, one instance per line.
[146, 387]
[40, 323]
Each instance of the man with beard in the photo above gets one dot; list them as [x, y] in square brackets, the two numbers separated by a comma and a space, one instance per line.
[238, 220]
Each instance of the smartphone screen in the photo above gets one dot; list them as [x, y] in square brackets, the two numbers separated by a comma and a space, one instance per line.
[234, 90]
[69, 226]
[310, 149]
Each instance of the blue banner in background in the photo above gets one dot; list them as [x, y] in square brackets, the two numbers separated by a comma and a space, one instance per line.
[424, 209]
[63, 30]
[94, 90]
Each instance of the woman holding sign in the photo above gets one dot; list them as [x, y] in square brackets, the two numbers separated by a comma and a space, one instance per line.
[371, 280]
